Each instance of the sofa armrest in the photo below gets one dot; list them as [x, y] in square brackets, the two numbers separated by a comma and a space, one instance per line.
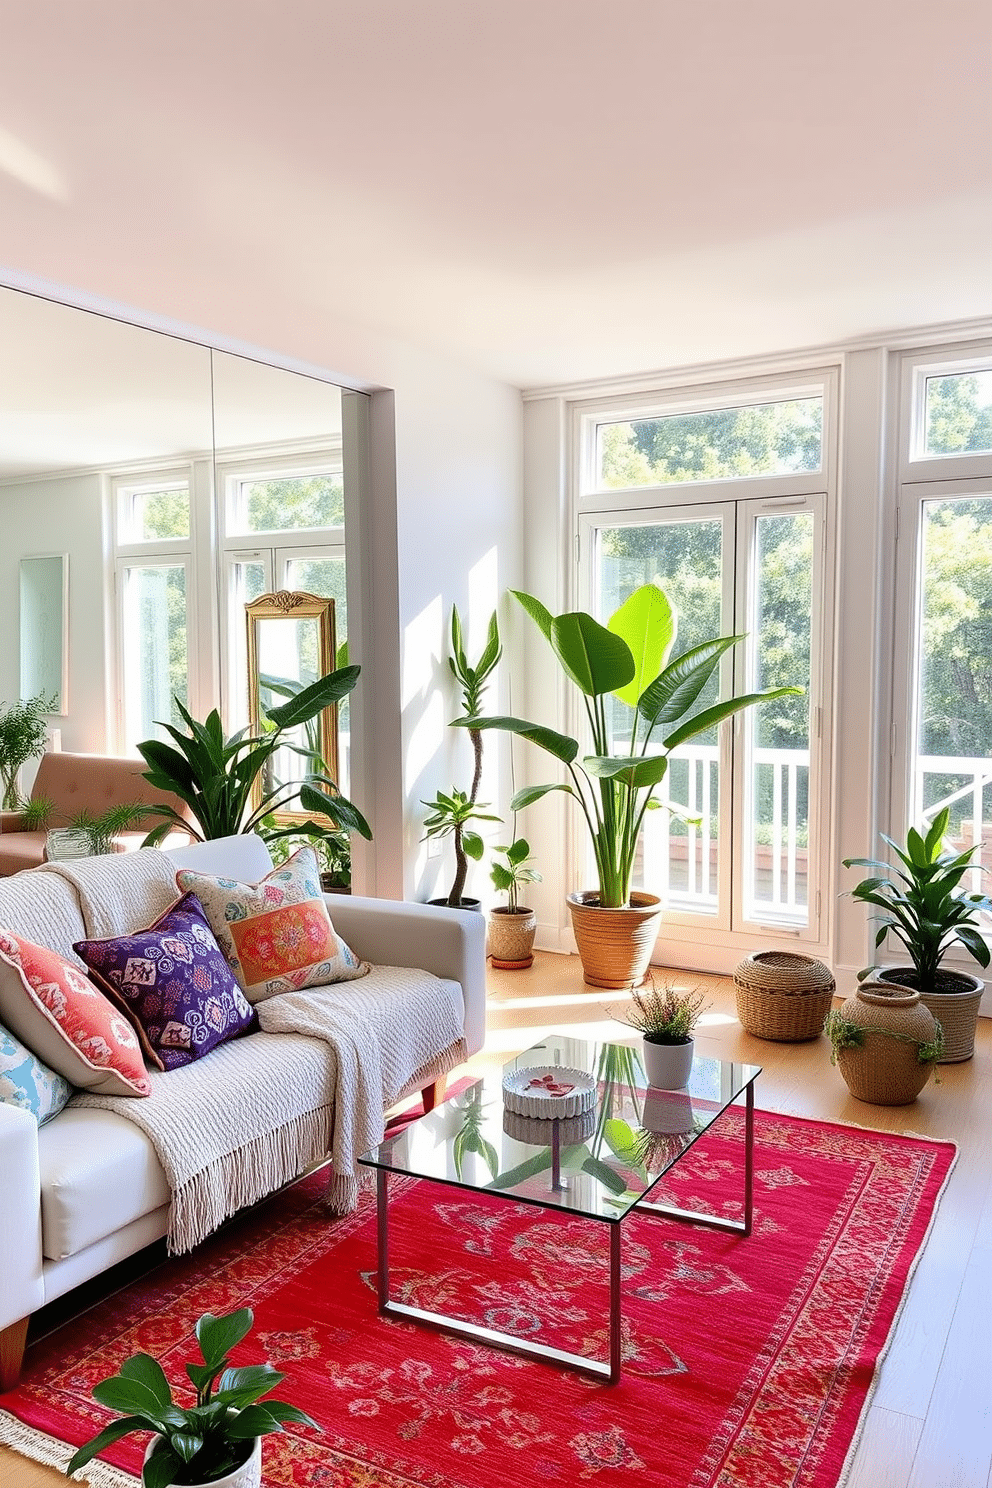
[22, 1288]
[11, 821]
[448, 942]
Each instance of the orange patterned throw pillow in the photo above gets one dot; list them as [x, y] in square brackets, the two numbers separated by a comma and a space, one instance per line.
[54, 1008]
[276, 935]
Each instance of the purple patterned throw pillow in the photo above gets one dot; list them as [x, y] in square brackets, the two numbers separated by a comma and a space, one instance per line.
[174, 982]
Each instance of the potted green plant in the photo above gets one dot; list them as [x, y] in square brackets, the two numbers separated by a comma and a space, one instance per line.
[923, 906]
[216, 776]
[473, 681]
[625, 663]
[512, 926]
[449, 816]
[666, 1019]
[92, 836]
[216, 1441]
[22, 737]
[331, 844]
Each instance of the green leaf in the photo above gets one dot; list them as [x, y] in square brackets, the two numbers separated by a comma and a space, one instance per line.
[185, 1444]
[473, 845]
[149, 1373]
[528, 794]
[676, 691]
[646, 623]
[315, 698]
[129, 1397]
[336, 808]
[162, 1467]
[541, 617]
[218, 1335]
[720, 711]
[106, 1438]
[975, 942]
[647, 771]
[244, 1385]
[597, 661]
[259, 1420]
[560, 745]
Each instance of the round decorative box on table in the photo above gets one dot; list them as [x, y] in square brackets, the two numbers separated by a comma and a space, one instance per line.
[783, 996]
[547, 1091]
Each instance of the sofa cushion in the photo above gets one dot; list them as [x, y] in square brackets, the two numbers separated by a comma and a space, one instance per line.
[28, 1083]
[276, 934]
[98, 1173]
[173, 979]
[66, 1020]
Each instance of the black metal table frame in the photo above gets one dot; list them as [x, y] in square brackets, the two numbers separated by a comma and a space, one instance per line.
[477, 1333]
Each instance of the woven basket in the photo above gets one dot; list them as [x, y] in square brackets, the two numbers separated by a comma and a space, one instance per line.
[783, 996]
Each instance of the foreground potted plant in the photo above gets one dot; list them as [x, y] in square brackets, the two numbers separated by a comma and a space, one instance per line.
[512, 926]
[614, 785]
[666, 1018]
[924, 907]
[217, 1441]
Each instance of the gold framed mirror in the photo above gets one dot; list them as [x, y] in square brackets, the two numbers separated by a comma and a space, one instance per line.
[291, 643]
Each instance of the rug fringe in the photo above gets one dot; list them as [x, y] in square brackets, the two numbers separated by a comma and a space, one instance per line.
[244, 1177]
[39, 1447]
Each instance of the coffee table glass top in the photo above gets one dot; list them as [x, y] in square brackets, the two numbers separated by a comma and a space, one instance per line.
[606, 1159]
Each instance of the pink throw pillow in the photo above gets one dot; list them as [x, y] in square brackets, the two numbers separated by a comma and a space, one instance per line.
[54, 1008]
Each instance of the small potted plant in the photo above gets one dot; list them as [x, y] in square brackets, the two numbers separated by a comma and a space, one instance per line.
[216, 1441]
[924, 907]
[450, 817]
[667, 1020]
[512, 926]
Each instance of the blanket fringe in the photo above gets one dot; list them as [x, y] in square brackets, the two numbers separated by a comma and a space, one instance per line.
[443, 1064]
[45, 1449]
[247, 1175]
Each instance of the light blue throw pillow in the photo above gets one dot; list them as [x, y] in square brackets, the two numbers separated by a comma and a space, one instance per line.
[26, 1082]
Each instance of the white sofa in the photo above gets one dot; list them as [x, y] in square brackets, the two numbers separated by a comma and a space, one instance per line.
[86, 1189]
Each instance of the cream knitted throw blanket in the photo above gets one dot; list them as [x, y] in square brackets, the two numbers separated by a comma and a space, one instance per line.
[256, 1112]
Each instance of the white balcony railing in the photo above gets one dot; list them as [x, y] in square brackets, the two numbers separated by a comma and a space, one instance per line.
[972, 817]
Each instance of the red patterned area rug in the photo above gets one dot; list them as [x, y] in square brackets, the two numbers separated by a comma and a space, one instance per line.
[746, 1361]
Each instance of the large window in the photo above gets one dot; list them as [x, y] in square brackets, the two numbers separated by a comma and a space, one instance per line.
[751, 562]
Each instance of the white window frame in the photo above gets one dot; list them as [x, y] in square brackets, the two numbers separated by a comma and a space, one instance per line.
[820, 488]
[921, 478]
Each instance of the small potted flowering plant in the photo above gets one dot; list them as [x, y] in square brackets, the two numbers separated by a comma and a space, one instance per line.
[666, 1018]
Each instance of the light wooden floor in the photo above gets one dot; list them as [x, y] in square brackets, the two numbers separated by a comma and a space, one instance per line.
[930, 1425]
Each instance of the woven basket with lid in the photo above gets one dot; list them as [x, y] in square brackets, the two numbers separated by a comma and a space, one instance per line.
[782, 995]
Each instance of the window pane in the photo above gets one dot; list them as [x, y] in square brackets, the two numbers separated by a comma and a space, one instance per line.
[154, 513]
[765, 439]
[777, 825]
[288, 503]
[959, 414]
[678, 859]
[953, 765]
[155, 655]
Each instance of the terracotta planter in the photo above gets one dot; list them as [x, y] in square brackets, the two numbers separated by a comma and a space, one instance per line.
[955, 1008]
[668, 1066]
[511, 938]
[885, 1069]
[248, 1475]
[615, 945]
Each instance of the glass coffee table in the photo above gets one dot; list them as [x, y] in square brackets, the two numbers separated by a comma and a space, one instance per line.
[601, 1163]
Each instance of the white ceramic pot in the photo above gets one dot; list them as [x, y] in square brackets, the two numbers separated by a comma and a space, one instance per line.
[248, 1475]
[668, 1066]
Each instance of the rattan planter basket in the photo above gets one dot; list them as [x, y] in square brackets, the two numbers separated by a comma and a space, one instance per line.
[783, 996]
